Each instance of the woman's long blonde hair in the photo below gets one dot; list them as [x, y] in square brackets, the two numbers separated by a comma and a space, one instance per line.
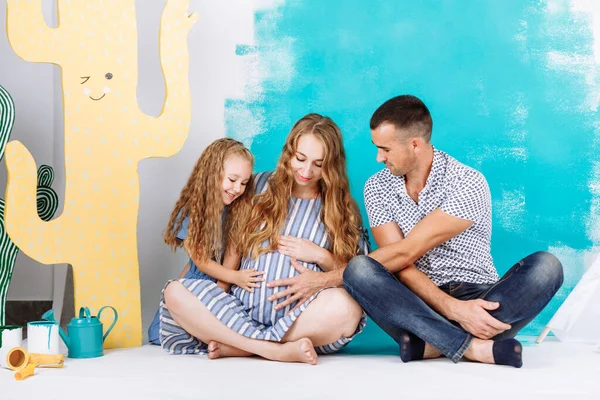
[201, 201]
[339, 212]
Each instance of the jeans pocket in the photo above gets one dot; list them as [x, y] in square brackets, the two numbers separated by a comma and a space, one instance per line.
[470, 291]
[455, 286]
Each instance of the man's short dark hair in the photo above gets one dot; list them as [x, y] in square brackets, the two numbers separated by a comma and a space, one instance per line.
[404, 112]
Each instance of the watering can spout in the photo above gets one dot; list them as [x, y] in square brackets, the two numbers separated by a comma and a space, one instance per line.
[49, 316]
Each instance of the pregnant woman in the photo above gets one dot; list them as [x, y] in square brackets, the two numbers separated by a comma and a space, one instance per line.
[303, 228]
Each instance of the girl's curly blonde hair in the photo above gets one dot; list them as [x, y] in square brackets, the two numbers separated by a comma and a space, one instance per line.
[339, 212]
[201, 201]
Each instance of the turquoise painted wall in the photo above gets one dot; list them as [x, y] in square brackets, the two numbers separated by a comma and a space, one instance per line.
[509, 84]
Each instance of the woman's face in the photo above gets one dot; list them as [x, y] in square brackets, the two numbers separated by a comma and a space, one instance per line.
[307, 162]
[236, 173]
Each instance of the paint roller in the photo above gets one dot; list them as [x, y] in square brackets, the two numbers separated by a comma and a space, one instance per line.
[18, 359]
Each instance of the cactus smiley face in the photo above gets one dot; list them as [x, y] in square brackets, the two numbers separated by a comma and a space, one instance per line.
[88, 91]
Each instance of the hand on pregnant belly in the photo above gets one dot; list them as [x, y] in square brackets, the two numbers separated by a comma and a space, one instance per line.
[300, 288]
[301, 249]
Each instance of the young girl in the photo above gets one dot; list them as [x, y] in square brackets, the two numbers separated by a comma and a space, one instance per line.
[209, 217]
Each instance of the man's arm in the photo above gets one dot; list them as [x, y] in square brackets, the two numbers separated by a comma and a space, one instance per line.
[436, 228]
[395, 254]
[390, 234]
[472, 314]
[422, 286]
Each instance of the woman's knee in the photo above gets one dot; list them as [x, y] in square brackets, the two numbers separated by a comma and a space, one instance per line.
[342, 310]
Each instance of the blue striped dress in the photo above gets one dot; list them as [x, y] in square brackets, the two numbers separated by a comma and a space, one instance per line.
[251, 314]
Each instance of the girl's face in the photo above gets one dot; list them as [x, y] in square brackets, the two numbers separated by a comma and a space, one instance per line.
[307, 162]
[236, 173]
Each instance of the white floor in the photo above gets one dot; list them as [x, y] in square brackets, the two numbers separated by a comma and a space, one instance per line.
[552, 370]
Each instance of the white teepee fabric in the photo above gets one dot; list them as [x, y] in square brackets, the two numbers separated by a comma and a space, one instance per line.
[578, 319]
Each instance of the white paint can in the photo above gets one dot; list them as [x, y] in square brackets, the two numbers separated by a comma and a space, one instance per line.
[11, 336]
[42, 337]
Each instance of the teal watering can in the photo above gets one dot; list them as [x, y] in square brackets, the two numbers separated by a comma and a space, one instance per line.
[86, 339]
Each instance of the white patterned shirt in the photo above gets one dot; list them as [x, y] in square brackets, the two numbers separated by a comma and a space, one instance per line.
[457, 190]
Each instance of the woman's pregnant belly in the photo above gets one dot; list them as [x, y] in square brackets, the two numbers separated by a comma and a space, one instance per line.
[275, 266]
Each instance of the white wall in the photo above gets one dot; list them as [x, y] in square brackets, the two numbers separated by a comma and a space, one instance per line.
[215, 74]
[31, 86]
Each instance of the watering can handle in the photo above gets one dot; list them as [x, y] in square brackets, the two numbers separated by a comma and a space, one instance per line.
[84, 312]
[114, 321]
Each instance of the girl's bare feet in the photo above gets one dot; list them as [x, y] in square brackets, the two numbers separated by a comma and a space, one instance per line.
[220, 350]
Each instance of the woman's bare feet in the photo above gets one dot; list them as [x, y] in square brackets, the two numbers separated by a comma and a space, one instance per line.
[220, 350]
[302, 350]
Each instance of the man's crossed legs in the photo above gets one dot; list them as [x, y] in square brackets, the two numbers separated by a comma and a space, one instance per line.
[522, 292]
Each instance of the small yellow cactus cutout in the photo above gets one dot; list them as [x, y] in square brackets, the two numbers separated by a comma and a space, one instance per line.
[106, 135]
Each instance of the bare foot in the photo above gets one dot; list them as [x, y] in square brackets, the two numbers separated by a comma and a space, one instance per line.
[431, 352]
[220, 350]
[500, 352]
[302, 350]
[480, 350]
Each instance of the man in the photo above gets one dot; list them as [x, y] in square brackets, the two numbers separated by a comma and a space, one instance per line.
[432, 284]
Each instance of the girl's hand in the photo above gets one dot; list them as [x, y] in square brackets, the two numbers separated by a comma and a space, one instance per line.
[247, 278]
[301, 249]
[225, 286]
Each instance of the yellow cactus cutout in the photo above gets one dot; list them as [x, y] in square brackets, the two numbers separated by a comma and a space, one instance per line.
[106, 135]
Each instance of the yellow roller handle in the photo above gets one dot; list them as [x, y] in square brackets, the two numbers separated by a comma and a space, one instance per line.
[47, 360]
[25, 372]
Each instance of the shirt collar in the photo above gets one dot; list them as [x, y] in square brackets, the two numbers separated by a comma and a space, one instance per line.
[437, 168]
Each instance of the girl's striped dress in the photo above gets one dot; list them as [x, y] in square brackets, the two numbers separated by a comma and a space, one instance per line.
[251, 314]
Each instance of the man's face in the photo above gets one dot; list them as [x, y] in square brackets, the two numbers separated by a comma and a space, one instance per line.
[396, 153]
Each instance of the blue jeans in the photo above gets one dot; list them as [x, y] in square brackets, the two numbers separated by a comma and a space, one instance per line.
[522, 292]
[154, 329]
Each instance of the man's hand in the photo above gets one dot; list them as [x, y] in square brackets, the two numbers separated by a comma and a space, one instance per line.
[301, 287]
[301, 249]
[473, 317]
